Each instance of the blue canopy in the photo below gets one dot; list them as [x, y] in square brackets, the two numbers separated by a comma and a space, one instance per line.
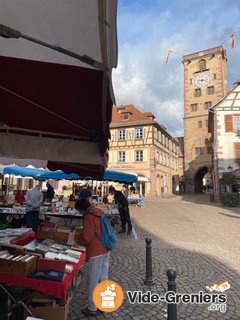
[38, 174]
[117, 176]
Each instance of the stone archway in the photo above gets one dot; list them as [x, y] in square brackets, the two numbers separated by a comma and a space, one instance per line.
[198, 179]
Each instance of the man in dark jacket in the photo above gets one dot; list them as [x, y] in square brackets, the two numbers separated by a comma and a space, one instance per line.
[123, 209]
[50, 192]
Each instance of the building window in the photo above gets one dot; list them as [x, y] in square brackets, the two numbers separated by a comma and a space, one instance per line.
[121, 135]
[214, 76]
[199, 124]
[202, 65]
[122, 156]
[207, 105]
[232, 122]
[167, 142]
[194, 107]
[210, 90]
[198, 151]
[139, 133]
[139, 155]
[159, 136]
[197, 92]
[190, 81]
[125, 116]
[206, 123]
[236, 123]
[163, 139]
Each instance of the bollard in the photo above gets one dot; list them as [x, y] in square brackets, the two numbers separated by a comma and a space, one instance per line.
[172, 307]
[149, 279]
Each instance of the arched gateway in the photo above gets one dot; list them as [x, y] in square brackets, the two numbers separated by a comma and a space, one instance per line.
[198, 179]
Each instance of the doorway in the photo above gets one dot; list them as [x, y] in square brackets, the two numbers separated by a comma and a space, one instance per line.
[198, 179]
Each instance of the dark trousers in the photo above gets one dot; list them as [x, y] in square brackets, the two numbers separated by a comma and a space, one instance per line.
[32, 218]
[125, 218]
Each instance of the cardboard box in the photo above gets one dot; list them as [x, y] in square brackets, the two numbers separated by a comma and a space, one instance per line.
[46, 312]
[49, 264]
[57, 236]
[18, 268]
[48, 226]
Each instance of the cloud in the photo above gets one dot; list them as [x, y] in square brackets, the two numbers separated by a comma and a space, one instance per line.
[147, 30]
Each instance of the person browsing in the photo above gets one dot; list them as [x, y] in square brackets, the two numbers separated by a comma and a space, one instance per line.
[34, 199]
[123, 209]
[50, 192]
[96, 253]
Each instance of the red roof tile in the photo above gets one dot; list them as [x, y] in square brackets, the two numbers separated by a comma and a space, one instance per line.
[134, 114]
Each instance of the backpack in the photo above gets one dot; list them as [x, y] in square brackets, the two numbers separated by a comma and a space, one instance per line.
[108, 236]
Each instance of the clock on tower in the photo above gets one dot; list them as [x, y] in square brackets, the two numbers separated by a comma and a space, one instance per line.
[202, 80]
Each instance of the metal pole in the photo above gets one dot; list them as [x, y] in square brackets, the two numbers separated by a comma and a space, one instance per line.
[172, 307]
[149, 279]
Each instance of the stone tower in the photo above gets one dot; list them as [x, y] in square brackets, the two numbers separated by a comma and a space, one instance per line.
[205, 83]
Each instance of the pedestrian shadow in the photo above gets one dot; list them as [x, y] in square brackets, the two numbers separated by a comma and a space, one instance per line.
[229, 215]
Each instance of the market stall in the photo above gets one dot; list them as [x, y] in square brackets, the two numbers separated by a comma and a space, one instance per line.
[27, 260]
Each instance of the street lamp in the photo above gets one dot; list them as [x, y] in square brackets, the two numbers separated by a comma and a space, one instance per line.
[229, 168]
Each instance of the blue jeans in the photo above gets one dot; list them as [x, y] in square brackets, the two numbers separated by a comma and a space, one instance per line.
[32, 218]
[97, 272]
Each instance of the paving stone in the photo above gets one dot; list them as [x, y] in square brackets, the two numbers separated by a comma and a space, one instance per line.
[199, 239]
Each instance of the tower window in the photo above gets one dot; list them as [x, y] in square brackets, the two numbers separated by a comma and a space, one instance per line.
[210, 90]
[207, 105]
[197, 93]
[198, 151]
[202, 65]
[199, 124]
[194, 107]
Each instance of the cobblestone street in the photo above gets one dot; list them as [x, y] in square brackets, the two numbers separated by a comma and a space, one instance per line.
[199, 239]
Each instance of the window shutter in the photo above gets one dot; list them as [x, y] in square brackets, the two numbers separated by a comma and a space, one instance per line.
[116, 135]
[133, 156]
[145, 155]
[228, 123]
[237, 151]
[133, 134]
[127, 134]
[115, 157]
[127, 156]
[144, 133]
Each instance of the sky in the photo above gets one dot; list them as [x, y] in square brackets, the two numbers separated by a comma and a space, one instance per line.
[148, 29]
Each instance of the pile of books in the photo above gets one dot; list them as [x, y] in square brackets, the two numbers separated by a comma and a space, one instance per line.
[5, 254]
